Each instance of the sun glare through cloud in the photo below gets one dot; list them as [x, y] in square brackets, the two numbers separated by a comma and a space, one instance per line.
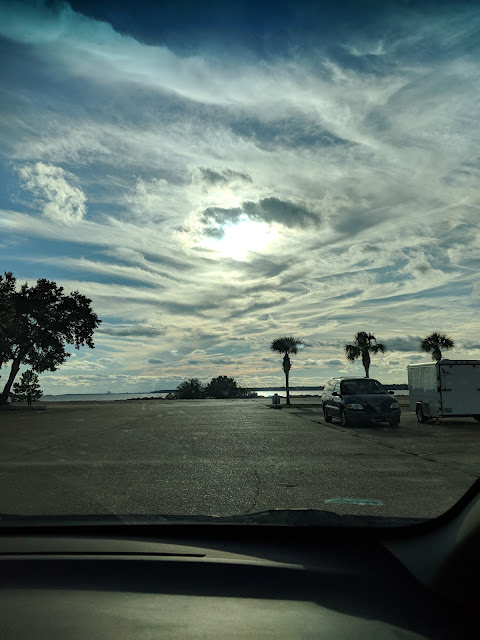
[238, 240]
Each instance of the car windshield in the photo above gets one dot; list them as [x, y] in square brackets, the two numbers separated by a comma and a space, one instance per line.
[362, 387]
[210, 214]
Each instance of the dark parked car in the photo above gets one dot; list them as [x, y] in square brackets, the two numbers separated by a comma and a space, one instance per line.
[359, 400]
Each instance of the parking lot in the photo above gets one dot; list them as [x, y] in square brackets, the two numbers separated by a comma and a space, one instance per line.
[227, 457]
[451, 441]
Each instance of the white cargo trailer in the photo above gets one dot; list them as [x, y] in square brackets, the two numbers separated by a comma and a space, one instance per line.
[446, 388]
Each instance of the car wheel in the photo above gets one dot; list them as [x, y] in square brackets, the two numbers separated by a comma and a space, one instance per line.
[420, 415]
[325, 414]
[394, 423]
[343, 418]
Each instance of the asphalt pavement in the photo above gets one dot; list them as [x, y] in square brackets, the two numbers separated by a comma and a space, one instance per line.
[225, 458]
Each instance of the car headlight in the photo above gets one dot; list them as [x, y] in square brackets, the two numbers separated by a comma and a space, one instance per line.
[354, 405]
[394, 405]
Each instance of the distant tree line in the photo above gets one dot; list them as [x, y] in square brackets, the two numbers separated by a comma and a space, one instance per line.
[220, 387]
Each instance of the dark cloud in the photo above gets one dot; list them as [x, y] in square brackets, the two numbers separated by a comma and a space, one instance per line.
[352, 220]
[333, 363]
[282, 211]
[223, 361]
[155, 361]
[267, 267]
[223, 177]
[269, 210]
[368, 247]
[470, 345]
[409, 343]
[289, 133]
[193, 361]
[134, 330]
[422, 268]
[214, 232]
[216, 218]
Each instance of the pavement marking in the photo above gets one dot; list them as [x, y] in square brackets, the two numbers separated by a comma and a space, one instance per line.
[361, 501]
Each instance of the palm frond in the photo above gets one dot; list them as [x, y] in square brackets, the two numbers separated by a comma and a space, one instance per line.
[378, 348]
[286, 344]
[436, 340]
[352, 352]
[446, 342]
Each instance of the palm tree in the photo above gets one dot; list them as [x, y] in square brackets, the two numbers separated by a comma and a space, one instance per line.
[286, 345]
[365, 344]
[434, 342]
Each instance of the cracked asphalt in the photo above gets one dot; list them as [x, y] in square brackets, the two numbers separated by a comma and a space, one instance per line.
[227, 457]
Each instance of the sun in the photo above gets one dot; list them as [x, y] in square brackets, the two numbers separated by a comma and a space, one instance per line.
[241, 238]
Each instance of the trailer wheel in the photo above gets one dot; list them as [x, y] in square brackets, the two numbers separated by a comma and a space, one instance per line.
[420, 415]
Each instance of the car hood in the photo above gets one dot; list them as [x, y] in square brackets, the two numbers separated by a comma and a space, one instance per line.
[374, 401]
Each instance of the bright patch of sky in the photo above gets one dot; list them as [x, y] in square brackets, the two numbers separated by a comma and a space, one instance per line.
[213, 179]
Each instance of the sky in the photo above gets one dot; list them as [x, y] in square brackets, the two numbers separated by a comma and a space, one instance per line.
[217, 175]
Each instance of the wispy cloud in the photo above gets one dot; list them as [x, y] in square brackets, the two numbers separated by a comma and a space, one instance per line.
[133, 330]
[54, 193]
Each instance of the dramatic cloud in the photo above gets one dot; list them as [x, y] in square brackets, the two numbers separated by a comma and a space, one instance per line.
[213, 191]
[133, 330]
[269, 210]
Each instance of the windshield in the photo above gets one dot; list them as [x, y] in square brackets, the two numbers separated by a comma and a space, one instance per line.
[362, 386]
[210, 214]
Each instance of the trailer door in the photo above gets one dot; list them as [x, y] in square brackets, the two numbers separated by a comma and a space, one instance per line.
[460, 389]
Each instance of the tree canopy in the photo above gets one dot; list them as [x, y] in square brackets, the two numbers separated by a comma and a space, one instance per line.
[286, 344]
[27, 386]
[37, 322]
[435, 342]
[364, 345]
[219, 387]
[225, 387]
[189, 390]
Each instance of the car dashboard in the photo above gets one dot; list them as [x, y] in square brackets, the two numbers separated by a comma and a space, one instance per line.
[226, 581]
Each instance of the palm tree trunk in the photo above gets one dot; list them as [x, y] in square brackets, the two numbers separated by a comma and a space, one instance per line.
[286, 387]
[11, 378]
[366, 362]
